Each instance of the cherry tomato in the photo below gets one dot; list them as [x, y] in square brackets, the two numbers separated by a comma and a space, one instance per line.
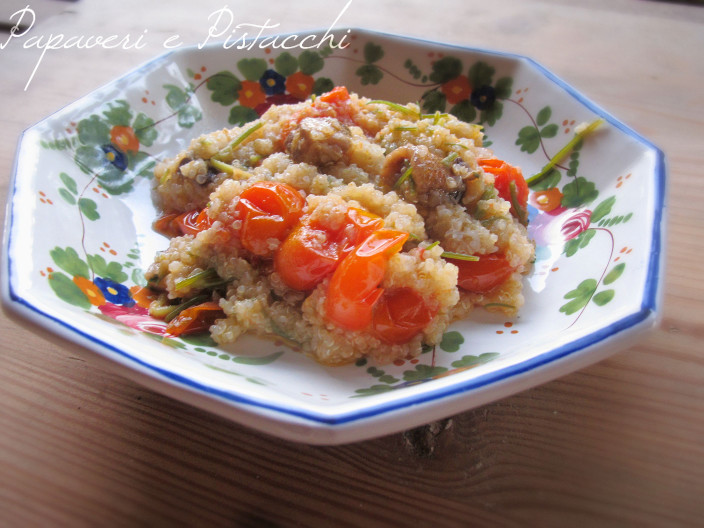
[400, 314]
[359, 224]
[306, 257]
[483, 275]
[336, 95]
[504, 176]
[188, 223]
[193, 222]
[268, 210]
[354, 286]
[195, 319]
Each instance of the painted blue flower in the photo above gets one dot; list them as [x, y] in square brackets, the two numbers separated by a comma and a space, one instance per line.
[114, 292]
[115, 157]
[273, 82]
[483, 97]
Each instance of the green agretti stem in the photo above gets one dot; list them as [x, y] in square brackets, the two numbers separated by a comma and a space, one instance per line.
[581, 133]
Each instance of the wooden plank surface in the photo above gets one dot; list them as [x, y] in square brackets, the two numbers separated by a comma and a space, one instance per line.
[618, 444]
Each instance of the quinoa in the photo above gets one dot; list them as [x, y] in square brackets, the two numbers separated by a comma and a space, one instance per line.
[417, 174]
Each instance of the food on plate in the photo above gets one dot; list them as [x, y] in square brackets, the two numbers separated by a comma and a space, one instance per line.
[344, 226]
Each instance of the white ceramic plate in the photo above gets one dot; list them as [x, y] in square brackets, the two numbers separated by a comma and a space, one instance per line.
[78, 232]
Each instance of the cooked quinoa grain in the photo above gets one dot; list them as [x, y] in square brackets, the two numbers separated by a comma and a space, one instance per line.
[274, 223]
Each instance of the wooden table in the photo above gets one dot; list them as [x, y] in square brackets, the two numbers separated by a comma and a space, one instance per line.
[619, 443]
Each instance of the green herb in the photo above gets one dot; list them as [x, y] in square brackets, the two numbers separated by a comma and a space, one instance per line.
[459, 256]
[449, 159]
[502, 305]
[222, 166]
[564, 151]
[238, 140]
[404, 128]
[394, 106]
[406, 175]
[187, 304]
[434, 244]
[201, 280]
[520, 212]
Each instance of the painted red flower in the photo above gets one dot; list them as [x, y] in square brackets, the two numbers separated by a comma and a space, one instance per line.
[457, 89]
[135, 317]
[576, 224]
[299, 85]
[251, 94]
[124, 139]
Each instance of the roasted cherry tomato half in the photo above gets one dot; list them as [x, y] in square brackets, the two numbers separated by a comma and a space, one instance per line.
[354, 286]
[483, 275]
[268, 210]
[400, 314]
[195, 319]
[505, 177]
[306, 257]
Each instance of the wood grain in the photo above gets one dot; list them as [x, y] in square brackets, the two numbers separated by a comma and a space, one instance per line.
[618, 444]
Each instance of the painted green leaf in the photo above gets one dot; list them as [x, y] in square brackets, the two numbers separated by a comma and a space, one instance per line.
[89, 208]
[144, 129]
[503, 88]
[93, 131]
[373, 390]
[615, 273]
[480, 74]
[433, 101]
[464, 110]
[451, 341]
[118, 113]
[369, 74]
[251, 69]
[579, 242]
[225, 87]
[286, 64]
[69, 261]
[138, 277]
[239, 115]
[603, 297]
[310, 62]
[387, 378]
[107, 270]
[69, 182]
[67, 196]
[446, 69]
[603, 209]
[423, 372]
[188, 116]
[492, 114]
[67, 291]
[549, 131]
[551, 179]
[203, 339]
[322, 85]
[89, 158]
[471, 361]
[543, 116]
[528, 139]
[372, 52]
[578, 192]
[263, 360]
[175, 96]
[580, 296]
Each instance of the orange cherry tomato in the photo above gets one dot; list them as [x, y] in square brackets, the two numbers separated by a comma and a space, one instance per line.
[193, 222]
[195, 319]
[306, 257]
[338, 94]
[504, 175]
[400, 314]
[354, 286]
[268, 210]
[359, 224]
[483, 275]
[166, 225]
